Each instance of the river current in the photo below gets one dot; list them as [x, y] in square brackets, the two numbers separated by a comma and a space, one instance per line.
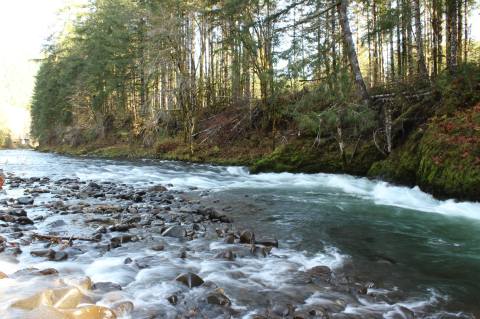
[404, 241]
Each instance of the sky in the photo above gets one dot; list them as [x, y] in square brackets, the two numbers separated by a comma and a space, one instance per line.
[24, 27]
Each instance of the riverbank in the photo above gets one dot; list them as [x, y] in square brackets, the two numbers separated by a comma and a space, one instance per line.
[441, 156]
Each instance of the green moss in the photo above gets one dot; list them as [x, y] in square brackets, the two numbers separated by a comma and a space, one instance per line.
[443, 159]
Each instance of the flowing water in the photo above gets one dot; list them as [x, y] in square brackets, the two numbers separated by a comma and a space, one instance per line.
[426, 251]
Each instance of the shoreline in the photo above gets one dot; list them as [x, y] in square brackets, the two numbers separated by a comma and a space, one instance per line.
[127, 153]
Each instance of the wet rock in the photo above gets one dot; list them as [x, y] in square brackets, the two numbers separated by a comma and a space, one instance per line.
[157, 189]
[176, 231]
[267, 242]
[48, 272]
[218, 298]
[322, 272]
[23, 220]
[229, 239]
[173, 299]
[25, 200]
[57, 223]
[227, 254]
[158, 247]
[122, 308]
[401, 312]
[247, 237]
[17, 212]
[121, 227]
[119, 240]
[48, 253]
[105, 287]
[60, 256]
[101, 230]
[190, 280]
[259, 251]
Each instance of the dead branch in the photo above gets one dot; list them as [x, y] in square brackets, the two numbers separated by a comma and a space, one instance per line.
[60, 238]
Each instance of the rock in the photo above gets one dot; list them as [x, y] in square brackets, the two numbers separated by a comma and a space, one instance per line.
[176, 231]
[48, 272]
[3, 275]
[122, 308]
[158, 247]
[229, 239]
[401, 312]
[23, 220]
[25, 200]
[121, 227]
[190, 280]
[100, 230]
[48, 253]
[157, 189]
[57, 223]
[105, 287]
[119, 240]
[323, 272]
[227, 254]
[173, 299]
[90, 312]
[60, 256]
[247, 237]
[17, 212]
[267, 242]
[218, 298]
[259, 251]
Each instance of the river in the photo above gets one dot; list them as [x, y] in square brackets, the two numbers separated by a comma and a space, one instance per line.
[424, 251]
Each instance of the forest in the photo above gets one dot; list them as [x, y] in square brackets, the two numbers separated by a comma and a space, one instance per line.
[380, 88]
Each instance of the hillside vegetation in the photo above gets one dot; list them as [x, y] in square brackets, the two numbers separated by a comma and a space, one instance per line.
[277, 86]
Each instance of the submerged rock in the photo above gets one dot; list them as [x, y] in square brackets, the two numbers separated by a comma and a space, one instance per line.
[25, 200]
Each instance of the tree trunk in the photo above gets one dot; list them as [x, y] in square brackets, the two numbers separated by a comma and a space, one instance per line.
[350, 48]
[419, 39]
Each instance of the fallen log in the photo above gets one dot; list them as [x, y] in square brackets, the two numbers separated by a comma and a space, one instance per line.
[59, 238]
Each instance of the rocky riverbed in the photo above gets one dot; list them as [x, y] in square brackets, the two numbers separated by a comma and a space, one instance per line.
[78, 249]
